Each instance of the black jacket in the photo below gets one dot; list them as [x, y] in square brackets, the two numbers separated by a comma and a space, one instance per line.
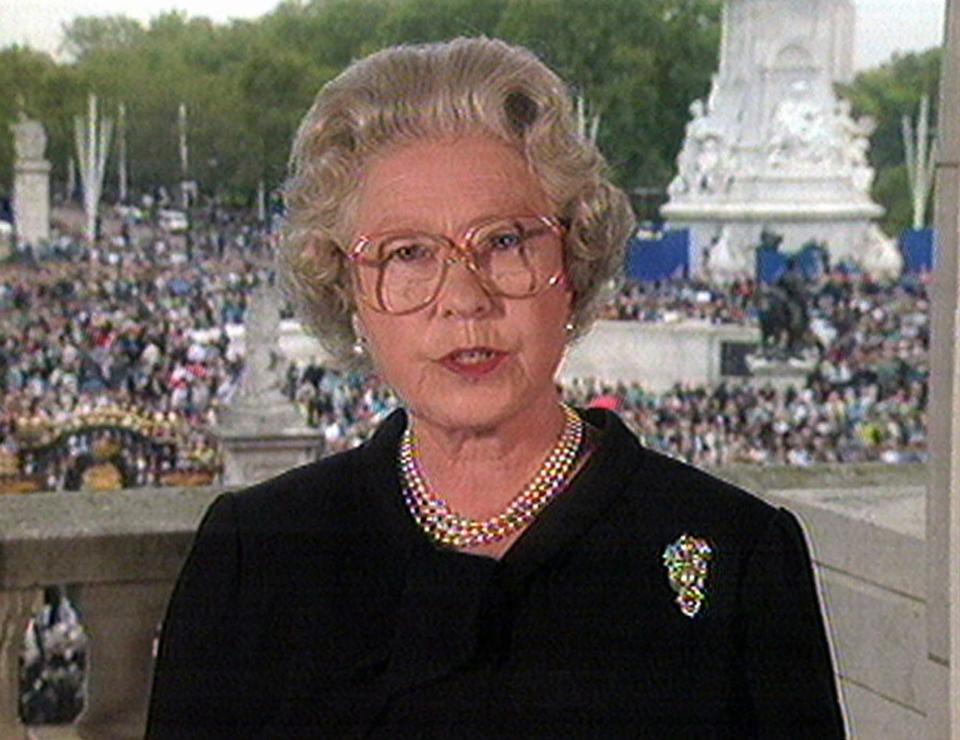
[311, 605]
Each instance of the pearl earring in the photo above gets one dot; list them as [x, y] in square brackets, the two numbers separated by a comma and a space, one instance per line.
[360, 340]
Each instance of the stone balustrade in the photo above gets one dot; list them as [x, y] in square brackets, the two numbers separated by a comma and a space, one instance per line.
[123, 550]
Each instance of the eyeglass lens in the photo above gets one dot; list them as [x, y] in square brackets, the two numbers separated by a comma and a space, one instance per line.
[402, 272]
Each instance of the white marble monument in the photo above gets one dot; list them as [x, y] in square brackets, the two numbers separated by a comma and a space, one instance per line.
[773, 149]
[31, 182]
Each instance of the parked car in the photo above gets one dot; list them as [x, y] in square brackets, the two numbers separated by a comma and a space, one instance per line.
[174, 222]
[129, 213]
[6, 237]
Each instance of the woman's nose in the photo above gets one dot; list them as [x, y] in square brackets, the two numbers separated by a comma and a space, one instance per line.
[463, 294]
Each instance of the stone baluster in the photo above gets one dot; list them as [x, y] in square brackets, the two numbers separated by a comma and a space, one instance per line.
[120, 621]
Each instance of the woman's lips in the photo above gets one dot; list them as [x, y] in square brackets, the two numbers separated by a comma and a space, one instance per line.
[473, 362]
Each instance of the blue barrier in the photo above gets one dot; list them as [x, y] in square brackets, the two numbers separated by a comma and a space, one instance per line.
[918, 247]
[771, 264]
[811, 261]
[666, 258]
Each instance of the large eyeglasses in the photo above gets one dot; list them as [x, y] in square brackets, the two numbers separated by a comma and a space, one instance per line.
[515, 257]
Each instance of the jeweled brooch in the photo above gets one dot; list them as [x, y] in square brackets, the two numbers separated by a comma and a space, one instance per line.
[686, 561]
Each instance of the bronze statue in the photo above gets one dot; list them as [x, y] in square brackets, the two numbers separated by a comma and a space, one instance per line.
[784, 318]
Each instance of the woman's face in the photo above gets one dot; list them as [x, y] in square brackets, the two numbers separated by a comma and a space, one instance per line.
[469, 359]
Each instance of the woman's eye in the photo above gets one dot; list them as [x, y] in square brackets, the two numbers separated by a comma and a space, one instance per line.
[408, 252]
[505, 240]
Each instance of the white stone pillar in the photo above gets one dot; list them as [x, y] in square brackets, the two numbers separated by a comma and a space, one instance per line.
[184, 155]
[261, 201]
[122, 153]
[120, 621]
[31, 183]
[919, 151]
[71, 179]
[943, 499]
[31, 201]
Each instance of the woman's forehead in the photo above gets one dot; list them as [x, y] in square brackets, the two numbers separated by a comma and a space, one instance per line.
[445, 184]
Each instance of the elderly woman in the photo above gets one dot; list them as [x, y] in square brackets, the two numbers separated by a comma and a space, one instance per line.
[492, 563]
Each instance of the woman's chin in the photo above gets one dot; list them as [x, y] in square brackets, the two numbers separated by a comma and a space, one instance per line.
[489, 398]
[476, 406]
[466, 414]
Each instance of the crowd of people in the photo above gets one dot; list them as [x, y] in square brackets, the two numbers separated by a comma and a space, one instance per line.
[821, 423]
[865, 401]
[145, 334]
[683, 300]
[145, 326]
[345, 407]
[831, 420]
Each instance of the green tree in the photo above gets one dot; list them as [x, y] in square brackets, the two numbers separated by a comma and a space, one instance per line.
[639, 65]
[46, 91]
[327, 33]
[420, 21]
[892, 190]
[84, 36]
[175, 60]
[887, 93]
[247, 84]
[276, 89]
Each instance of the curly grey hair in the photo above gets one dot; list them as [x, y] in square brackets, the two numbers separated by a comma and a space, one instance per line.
[445, 89]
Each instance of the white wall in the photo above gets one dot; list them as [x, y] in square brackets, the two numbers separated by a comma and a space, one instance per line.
[656, 355]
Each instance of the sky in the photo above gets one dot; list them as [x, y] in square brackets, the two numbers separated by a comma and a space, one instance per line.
[883, 26]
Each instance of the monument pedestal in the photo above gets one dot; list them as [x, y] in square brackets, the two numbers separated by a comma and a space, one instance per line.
[779, 374]
[843, 227]
[261, 440]
[260, 432]
[251, 458]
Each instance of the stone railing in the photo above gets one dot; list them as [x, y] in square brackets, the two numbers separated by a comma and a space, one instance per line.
[123, 551]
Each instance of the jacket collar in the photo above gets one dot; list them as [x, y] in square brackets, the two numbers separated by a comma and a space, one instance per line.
[602, 480]
[427, 643]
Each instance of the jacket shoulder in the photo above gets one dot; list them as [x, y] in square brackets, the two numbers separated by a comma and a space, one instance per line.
[700, 493]
[669, 490]
[314, 488]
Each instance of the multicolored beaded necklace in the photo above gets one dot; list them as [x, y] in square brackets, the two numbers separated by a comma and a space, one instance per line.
[446, 527]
